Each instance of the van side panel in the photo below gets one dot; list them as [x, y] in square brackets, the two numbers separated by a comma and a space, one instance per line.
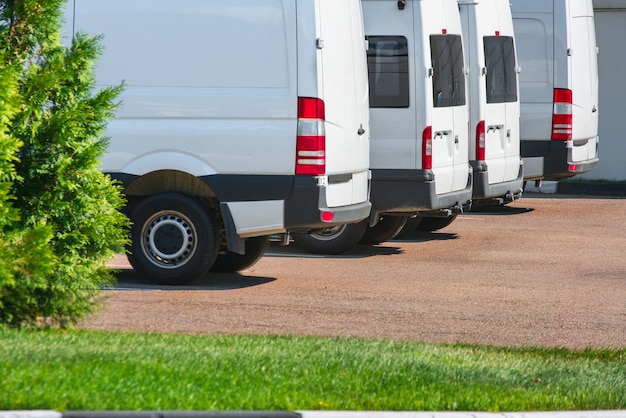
[199, 102]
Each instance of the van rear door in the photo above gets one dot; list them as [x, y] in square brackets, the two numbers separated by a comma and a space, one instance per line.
[447, 85]
[343, 87]
[584, 81]
[502, 113]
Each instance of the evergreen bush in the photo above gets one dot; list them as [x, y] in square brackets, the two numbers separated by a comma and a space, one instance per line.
[64, 215]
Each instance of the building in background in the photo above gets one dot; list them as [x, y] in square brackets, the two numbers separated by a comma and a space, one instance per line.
[610, 22]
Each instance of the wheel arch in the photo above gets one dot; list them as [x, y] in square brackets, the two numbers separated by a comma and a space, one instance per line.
[163, 181]
[168, 181]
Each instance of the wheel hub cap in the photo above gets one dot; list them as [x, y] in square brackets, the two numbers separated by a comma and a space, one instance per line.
[169, 239]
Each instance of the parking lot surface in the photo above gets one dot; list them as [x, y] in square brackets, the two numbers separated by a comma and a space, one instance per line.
[544, 271]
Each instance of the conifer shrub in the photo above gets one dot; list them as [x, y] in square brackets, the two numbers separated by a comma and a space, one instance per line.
[64, 219]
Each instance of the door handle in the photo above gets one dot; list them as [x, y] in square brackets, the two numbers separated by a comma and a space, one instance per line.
[493, 128]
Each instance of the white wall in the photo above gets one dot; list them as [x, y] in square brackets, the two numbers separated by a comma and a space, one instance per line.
[610, 20]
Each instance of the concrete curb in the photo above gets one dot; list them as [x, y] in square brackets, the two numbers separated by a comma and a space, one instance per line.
[30, 414]
[309, 414]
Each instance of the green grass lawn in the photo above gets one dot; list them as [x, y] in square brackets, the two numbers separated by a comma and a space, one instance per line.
[80, 370]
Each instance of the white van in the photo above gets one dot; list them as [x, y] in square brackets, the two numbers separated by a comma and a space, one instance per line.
[419, 118]
[556, 48]
[240, 119]
[494, 101]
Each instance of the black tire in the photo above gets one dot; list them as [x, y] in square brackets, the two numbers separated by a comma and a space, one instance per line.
[174, 239]
[332, 241]
[410, 226]
[229, 262]
[386, 229]
[434, 223]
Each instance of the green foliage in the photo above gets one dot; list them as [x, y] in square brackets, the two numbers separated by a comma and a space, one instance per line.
[24, 254]
[64, 220]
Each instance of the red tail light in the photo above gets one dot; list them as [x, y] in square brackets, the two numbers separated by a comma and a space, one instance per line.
[480, 141]
[562, 115]
[427, 148]
[311, 139]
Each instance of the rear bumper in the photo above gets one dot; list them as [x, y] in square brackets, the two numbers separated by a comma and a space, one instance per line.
[411, 191]
[552, 160]
[484, 190]
[304, 208]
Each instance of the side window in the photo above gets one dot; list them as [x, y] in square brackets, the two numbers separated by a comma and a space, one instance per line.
[500, 63]
[388, 71]
[446, 53]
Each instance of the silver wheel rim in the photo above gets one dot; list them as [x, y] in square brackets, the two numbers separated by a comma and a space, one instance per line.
[169, 239]
[329, 234]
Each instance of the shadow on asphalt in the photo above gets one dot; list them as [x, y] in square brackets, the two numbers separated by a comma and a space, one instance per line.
[572, 189]
[498, 211]
[361, 251]
[127, 279]
[422, 236]
[425, 236]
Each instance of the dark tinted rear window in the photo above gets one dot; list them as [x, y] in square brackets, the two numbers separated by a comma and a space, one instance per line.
[388, 68]
[501, 74]
[447, 63]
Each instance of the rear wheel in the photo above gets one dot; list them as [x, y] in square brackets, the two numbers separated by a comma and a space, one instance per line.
[174, 238]
[331, 241]
[433, 223]
[386, 229]
[229, 262]
[409, 227]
